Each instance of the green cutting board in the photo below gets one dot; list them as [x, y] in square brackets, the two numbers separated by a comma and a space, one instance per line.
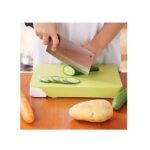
[103, 84]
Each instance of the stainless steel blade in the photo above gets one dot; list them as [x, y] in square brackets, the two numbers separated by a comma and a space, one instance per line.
[73, 55]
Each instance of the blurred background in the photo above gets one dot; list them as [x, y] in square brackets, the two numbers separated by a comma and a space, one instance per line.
[26, 48]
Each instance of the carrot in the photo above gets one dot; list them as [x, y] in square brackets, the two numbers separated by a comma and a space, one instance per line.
[25, 109]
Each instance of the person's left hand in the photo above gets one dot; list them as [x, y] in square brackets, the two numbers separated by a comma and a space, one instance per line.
[92, 46]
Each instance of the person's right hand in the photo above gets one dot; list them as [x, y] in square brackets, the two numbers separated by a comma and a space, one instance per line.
[46, 30]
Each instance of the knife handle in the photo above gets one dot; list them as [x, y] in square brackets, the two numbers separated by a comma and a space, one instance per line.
[30, 24]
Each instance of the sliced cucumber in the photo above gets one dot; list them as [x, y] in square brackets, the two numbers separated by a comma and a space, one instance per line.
[45, 80]
[63, 80]
[72, 80]
[50, 78]
[68, 70]
[58, 79]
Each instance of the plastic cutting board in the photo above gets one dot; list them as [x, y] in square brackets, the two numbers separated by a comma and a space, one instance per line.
[103, 84]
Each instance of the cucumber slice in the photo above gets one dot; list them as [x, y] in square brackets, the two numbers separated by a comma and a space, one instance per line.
[72, 80]
[66, 80]
[56, 78]
[45, 80]
[63, 80]
[50, 78]
[68, 70]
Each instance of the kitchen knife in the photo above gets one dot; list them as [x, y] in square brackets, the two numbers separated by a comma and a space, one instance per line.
[68, 52]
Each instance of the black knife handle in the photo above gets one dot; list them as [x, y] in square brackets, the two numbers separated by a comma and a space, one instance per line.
[29, 24]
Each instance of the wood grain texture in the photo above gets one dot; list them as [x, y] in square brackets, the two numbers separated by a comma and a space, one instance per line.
[52, 113]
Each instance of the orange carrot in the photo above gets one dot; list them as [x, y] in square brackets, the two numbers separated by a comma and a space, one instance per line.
[25, 109]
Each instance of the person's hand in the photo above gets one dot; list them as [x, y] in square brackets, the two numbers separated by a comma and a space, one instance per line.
[46, 30]
[92, 46]
[103, 37]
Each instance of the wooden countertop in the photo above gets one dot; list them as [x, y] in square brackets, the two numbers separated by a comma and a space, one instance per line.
[52, 113]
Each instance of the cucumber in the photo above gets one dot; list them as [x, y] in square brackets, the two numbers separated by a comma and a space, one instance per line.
[94, 68]
[68, 70]
[58, 79]
[50, 78]
[63, 80]
[72, 80]
[45, 80]
[120, 99]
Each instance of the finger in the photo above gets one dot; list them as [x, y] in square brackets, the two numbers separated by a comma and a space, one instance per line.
[45, 40]
[55, 42]
[39, 35]
[86, 45]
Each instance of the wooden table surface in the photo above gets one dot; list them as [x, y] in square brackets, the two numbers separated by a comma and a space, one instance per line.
[52, 113]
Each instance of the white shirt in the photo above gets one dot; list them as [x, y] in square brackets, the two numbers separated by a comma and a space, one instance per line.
[79, 33]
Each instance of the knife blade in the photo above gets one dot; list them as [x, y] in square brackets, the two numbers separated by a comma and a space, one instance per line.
[79, 58]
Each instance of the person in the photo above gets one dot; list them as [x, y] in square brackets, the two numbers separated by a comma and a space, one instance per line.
[101, 38]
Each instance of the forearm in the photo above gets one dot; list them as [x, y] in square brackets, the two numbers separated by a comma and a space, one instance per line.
[105, 35]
